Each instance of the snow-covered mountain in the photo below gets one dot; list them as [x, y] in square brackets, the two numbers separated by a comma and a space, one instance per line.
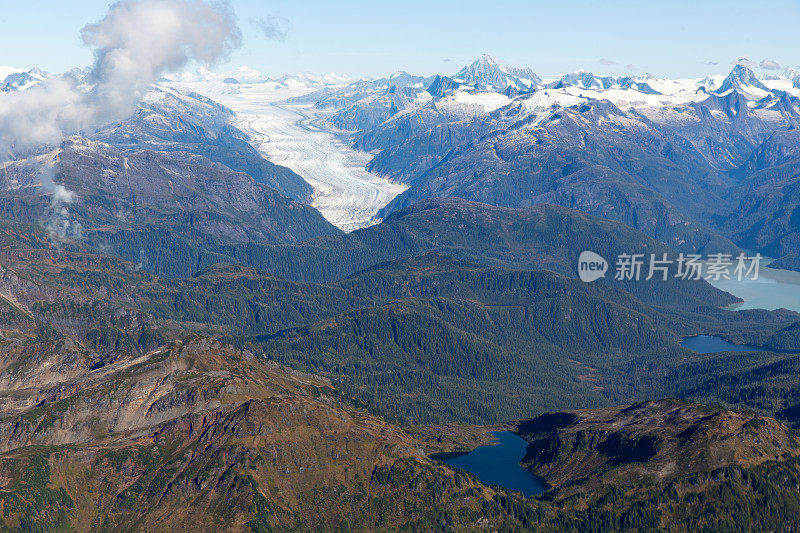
[559, 141]
[17, 79]
[399, 79]
[487, 73]
[641, 150]
[788, 79]
[586, 80]
[486, 85]
[245, 75]
[742, 80]
[310, 80]
[787, 74]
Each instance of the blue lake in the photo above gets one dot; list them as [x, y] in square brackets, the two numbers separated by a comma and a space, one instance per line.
[774, 289]
[712, 344]
[498, 464]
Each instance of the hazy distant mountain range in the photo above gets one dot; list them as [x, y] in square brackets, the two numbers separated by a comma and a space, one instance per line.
[673, 158]
[697, 163]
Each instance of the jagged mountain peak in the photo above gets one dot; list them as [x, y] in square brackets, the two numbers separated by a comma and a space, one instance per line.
[13, 80]
[487, 72]
[582, 78]
[787, 74]
[741, 76]
[585, 79]
[486, 59]
[440, 85]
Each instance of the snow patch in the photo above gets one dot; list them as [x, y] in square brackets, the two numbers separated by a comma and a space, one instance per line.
[488, 100]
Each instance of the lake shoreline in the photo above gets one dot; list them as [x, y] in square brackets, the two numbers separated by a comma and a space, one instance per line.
[498, 463]
[706, 344]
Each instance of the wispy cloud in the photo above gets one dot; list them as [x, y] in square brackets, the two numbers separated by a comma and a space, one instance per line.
[136, 43]
[273, 27]
[607, 62]
[710, 63]
[58, 222]
[768, 64]
[631, 66]
[744, 62]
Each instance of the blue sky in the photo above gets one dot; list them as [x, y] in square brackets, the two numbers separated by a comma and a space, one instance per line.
[353, 37]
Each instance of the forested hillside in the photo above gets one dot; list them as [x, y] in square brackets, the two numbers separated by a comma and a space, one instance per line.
[428, 338]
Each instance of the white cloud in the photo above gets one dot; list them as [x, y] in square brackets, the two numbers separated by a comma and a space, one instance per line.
[62, 195]
[768, 64]
[136, 43]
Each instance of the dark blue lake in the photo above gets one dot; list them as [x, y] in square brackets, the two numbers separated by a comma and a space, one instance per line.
[498, 464]
[712, 344]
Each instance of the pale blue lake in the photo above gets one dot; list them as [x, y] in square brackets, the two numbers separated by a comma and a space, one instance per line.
[774, 289]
